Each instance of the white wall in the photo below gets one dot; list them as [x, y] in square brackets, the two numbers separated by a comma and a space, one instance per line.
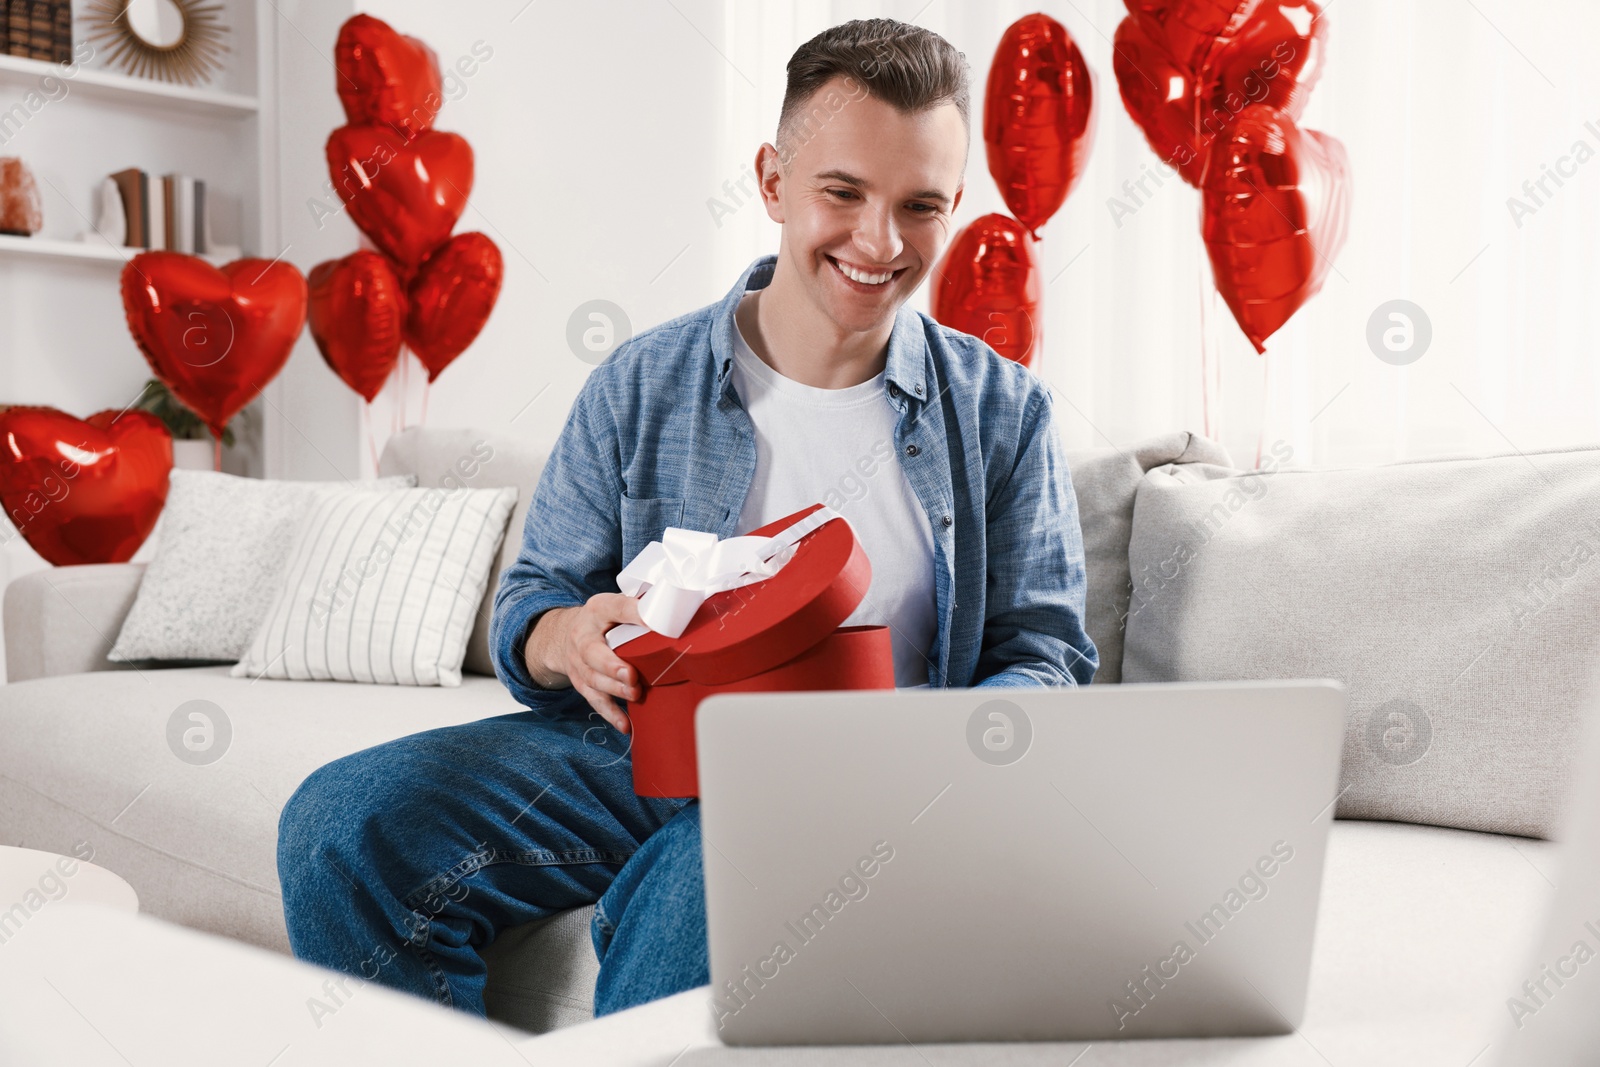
[595, 151]
[312, 419]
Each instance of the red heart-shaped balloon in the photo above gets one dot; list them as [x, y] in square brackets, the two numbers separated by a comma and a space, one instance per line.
[404, 195]
[83, 490]
[1272, 58]
[989, 286]
[1191, 30]
[357, 312]
[1038, 117]
[1276, 206]
[216, 337]
[1275, 59]
[1159, 95]
[385, 77]
[451, 297]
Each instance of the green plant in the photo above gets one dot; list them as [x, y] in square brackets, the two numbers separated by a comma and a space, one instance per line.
[184, 424]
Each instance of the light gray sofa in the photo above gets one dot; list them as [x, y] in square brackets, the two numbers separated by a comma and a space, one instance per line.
[84, 753]
[1403, 581]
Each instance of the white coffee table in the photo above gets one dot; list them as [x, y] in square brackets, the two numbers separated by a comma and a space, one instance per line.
[31, 880]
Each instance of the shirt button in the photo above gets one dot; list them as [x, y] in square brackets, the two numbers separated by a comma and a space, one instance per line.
[894, 390]
[919, 390]
[948, 521]
[912, 450]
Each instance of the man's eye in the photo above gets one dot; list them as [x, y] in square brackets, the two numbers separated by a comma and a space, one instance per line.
[842, 193]
[925, 209]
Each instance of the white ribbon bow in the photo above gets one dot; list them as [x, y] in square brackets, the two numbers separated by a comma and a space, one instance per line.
[677, 573]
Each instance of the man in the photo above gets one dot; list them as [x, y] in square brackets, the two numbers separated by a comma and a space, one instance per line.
[809, 382]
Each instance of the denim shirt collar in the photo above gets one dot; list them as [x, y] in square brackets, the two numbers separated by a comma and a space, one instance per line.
[905, 370]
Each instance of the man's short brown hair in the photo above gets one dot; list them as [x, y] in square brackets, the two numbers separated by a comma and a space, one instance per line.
[905, 66]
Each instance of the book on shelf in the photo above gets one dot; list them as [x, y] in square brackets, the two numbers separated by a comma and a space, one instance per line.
[61, 33]
[164, 213]
[156, 233]
[17, 27]
[37, 29]
[132, 184]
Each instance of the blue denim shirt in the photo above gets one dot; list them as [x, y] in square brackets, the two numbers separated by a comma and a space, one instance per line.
[658, 437]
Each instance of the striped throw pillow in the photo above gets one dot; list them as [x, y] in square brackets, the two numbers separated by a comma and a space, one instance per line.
[382, 587]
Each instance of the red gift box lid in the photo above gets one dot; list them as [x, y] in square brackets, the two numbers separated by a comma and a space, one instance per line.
[744, 631]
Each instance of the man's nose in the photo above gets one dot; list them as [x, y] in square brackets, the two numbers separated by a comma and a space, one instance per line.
[878, 236]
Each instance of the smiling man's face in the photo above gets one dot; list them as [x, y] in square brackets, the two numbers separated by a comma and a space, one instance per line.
[867, 191]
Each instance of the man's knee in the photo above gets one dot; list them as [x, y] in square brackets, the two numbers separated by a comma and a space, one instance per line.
[314, 822]
[344, 807]
[395, 796]
[666, 871]
[678, 842]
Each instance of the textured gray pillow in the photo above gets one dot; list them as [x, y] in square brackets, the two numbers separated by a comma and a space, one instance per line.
[1105, 480]
[1458, 600]
[220, 550]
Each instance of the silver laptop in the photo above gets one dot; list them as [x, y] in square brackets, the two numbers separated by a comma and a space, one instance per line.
[1124, 861]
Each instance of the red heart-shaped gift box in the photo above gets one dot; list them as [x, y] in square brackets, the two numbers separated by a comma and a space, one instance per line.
[780, 634]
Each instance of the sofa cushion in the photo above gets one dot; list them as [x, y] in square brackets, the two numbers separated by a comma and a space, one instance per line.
[88, 757]
[89, 986]
[1559, 1025]
[1454, 598]
[477, 460]
[542, 974]
[1105, 480]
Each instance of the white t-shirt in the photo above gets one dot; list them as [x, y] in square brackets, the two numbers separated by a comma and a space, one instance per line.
[836, 446]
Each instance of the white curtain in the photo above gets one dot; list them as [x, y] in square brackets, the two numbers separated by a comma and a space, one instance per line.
[1446, 108]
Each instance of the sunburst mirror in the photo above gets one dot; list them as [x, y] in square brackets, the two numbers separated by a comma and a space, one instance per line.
[168, 40]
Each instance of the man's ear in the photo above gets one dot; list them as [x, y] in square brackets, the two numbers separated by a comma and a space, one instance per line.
[770, 181]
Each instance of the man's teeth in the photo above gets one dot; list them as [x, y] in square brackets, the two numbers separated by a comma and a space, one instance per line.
[862, 277]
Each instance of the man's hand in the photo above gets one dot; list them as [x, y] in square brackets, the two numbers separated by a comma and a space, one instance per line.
[568, 647]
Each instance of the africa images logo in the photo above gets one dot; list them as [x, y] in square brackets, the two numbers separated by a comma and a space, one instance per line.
[999, 732]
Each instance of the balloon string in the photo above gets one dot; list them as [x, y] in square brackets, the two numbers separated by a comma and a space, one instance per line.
[1205, 362]
[216, 452]
[405, 385]
[426, 386]
[1266, 403]
[372, 439]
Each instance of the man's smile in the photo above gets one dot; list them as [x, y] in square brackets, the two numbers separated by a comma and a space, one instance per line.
[861, 278]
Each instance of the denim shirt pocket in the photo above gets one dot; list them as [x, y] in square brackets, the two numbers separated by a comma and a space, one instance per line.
[644, 521]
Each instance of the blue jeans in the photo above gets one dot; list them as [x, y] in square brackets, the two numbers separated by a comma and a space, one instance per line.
[400, 862]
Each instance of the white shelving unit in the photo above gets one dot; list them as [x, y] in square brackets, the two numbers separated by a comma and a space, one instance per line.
[55, 249]
[63, 338]
[108, 85]
[94, 251]
[64, 341]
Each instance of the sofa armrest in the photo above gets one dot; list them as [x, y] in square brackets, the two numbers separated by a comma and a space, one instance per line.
[64, 620]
